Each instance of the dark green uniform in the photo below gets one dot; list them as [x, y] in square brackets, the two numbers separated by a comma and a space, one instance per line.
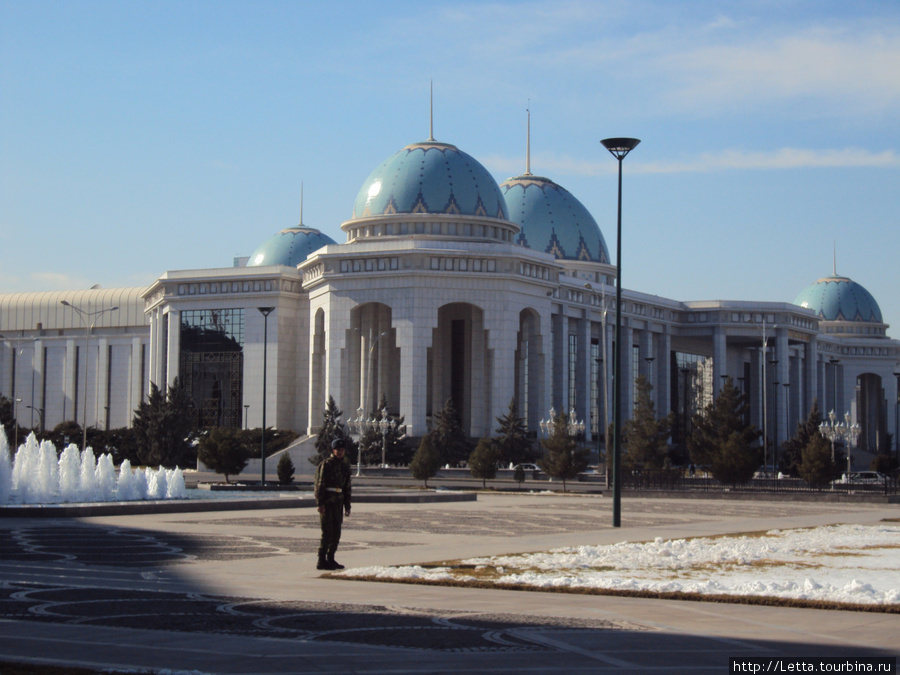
[332, 491]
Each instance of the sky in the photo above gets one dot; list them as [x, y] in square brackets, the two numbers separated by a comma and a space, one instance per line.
[144, 136]
[855, 564]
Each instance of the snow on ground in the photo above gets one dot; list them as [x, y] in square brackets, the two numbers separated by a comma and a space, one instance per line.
[857, 564]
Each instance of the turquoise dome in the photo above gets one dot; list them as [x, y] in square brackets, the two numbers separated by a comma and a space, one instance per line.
[553, 220]
[431, 178]
[289, 247]
[837, 298]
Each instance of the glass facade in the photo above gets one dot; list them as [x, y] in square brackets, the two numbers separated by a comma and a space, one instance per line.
[212, 364]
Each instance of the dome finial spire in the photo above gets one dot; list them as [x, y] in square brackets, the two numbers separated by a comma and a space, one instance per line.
[301, 203]
[431, 111]
[528, 141]
[834, 257]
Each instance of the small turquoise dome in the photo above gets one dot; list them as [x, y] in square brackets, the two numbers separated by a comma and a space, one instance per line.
[289, 247]
[837, 298]
[553, 220]
[431, 178]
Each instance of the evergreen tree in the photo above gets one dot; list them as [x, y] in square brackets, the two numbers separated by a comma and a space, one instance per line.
[447, 437]
[720, 436]
[426, 462]
[224, 451]
[332, 428]
[563, 459]
[646, 437]
[163, 425]
[815, 462]
[736, 462]
[285, 469]
[483, 460]
[512, 443]
[793, 448]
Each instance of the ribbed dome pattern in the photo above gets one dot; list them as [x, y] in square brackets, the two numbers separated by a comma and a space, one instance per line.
[553, 220]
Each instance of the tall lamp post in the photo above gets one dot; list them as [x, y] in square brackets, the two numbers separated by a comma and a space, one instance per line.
[619, 148]
[84, 316]
[265, 311]
[40, 412]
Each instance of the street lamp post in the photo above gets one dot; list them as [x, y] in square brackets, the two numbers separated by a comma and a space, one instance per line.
[40, 412]
[84, 316]
[265, 311]
[619, 148]
[246, 416]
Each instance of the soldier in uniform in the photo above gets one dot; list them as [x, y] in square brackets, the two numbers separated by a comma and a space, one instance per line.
[332, 493]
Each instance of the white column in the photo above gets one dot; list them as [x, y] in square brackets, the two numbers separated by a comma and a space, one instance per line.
[134, 383]
[173, 351]
[102, 397]
[70, 382]
[663, 374]
[811, 383]
[720, 367]
[783, 375]
[414, 340]
[627, 372]
[502, 332]
[583, 374]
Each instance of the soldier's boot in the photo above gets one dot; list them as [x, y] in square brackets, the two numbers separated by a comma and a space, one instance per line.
[323, 563]
[334, 564]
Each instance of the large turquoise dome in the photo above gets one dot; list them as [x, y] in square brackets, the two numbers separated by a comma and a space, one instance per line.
[289, 247]
[837, 298]
[430, 178]
[553, 220]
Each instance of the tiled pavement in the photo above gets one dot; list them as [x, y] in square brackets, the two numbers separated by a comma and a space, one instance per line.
[237, 592]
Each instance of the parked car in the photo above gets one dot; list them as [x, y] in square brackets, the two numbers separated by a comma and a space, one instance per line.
[528, 467]
[863, 478]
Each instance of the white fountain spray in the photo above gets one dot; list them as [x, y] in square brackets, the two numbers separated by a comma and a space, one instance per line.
[36, 476]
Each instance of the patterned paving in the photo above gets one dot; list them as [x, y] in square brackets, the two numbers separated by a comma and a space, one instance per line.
[325, 622]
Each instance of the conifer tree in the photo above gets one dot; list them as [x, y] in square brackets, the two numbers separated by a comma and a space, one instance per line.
[513, 444]
[793, 448]
[720, 436]
[815, 466]
[563, 459]
[646, 437]
[483, 460]
[163, 425]
[332, 428]
[447, 437]
[426, 462]
[224, 451]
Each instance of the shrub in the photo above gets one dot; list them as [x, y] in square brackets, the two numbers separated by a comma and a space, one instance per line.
[285, 469]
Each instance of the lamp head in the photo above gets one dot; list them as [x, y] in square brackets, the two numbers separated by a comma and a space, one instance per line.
[619, 147]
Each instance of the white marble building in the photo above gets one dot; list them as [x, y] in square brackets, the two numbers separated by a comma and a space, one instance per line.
[448, 285]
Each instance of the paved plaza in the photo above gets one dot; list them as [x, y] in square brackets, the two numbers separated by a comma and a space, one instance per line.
[238, 592]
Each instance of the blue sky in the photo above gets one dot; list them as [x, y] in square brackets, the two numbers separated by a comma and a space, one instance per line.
[138, 137]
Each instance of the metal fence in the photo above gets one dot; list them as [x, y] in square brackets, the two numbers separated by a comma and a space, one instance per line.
[675, 480]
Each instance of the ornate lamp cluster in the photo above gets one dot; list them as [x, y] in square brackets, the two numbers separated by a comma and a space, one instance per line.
[359, 424]
[573, 425]
[840, 431]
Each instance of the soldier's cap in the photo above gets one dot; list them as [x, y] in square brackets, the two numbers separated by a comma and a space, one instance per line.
[338, 443]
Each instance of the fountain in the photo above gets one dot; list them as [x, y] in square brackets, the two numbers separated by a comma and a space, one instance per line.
[37, 475]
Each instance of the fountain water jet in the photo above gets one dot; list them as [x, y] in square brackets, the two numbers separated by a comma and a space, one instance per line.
[36, 476]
